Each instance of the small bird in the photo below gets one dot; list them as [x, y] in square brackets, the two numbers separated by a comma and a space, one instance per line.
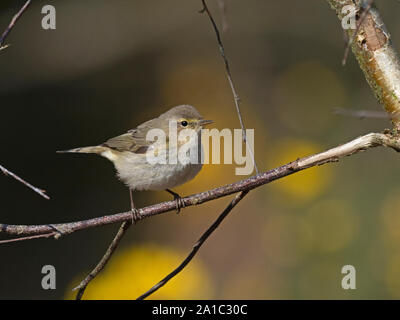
[129, 153]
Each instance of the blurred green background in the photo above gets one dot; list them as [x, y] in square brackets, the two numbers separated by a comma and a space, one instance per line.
[111, 65]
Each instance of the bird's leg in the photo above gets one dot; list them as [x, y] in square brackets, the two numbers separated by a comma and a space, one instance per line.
[135, 212]
[178, 199]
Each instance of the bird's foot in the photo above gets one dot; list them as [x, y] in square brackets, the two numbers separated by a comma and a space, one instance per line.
[178, 200]
[60, 230]
[179, 203]
[135, 215]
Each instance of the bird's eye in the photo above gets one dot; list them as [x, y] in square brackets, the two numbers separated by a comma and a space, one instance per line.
[184, 123]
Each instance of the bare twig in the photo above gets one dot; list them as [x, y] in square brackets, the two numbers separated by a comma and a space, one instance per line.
[114, 244]
[361, 114]
[37, 190]
[12, 24]
[229, 76]
[197, 245]
[45, 235]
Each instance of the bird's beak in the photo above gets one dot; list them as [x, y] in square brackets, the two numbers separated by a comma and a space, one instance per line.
[205, 122]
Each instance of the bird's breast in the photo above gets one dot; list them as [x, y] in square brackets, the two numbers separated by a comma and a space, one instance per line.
[140, 173]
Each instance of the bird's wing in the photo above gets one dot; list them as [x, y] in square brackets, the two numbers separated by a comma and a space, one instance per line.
[134, 140]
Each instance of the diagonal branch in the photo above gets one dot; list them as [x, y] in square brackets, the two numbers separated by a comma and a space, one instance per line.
[12, 24]
[100, 266]
[37, 190]
[197, 245]
[229, 76]
[38, 236]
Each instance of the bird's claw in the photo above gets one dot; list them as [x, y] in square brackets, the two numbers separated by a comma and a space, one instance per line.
[60, 230]
[179, 203]
[178, 200]
[135, 215]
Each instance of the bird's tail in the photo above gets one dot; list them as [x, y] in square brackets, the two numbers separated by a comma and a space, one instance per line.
[94, 149]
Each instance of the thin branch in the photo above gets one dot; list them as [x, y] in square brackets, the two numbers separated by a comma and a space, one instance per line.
[45, 235]
[12, 24]
[100, 266]
[37, 190]
[229, 76]
[197, 245]
[361, 114]
[359, 144]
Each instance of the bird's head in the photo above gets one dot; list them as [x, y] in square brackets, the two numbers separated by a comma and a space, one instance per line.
[186, 117]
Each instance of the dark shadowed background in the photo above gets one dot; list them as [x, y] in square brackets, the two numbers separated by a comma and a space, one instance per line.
[111, 65]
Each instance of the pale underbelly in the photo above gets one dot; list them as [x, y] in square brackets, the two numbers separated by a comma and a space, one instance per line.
[146, 176]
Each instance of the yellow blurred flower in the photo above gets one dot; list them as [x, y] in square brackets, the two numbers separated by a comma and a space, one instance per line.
[131, 272]
[304, 185]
